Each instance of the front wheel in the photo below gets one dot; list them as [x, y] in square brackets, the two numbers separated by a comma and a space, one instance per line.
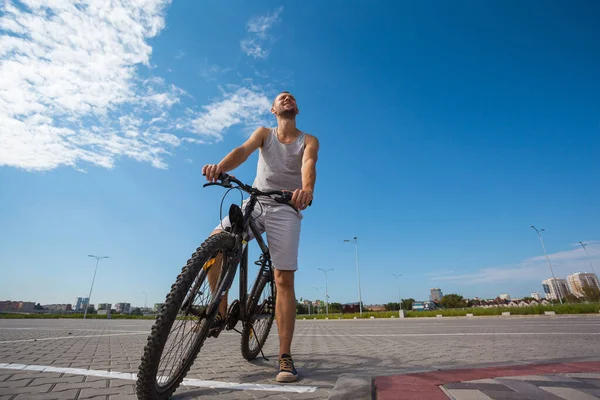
[184, 320]
[261, 307]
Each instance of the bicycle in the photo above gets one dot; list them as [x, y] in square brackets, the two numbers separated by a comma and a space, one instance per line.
[256, 310]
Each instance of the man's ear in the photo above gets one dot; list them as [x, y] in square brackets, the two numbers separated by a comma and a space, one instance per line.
[273, 110]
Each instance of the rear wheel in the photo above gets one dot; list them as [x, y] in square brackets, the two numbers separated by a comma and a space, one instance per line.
[183, 322]
[261, 306]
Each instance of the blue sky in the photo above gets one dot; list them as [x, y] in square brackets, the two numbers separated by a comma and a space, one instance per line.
[445, 133]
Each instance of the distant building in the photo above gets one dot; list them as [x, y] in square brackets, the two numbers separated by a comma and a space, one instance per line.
[536, 296]
[57, 307]
[436, 294]
[16, 306]
[123, 308]
[424, 306]
[350, 308]
[80, 303]
[505, 296]
[554, 287]
[579, 280]
[104, 306]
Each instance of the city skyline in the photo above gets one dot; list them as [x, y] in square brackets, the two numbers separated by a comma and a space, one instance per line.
[565, 281]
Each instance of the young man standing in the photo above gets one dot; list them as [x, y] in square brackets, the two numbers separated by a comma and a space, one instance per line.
[287, 161]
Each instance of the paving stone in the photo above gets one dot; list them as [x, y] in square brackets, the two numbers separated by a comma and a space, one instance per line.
[323, 350]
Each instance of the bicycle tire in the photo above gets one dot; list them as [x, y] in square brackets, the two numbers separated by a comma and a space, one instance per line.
[147, 387]
[256, 306]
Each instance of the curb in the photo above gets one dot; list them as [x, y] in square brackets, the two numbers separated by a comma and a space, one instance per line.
[353, 387]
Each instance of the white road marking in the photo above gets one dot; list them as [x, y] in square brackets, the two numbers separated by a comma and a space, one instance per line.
[186, 382]
[450, 334]
[74, 337]
[70, 329]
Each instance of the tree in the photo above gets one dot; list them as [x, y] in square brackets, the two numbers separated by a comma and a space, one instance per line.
[137, 311]
[301, 308]
[91, 310]
[453, 301]
[407, 303]
[392, 306]
[474, 303]
[38, 307]
[571, 298]
[592, 293]
[335, 308]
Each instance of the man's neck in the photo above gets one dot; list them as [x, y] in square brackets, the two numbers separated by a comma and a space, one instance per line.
[286, 128]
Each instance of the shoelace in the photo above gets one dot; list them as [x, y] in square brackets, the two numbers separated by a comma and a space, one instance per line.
[286, 364]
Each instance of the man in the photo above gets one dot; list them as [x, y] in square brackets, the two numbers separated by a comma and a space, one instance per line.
[287, 161]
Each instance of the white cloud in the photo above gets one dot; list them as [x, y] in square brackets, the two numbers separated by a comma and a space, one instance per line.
[244, 106]
[535, 268]
[251, 48]
[70, 84]
[256, 44]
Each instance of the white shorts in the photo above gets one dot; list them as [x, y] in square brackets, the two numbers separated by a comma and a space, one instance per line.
[282, 224]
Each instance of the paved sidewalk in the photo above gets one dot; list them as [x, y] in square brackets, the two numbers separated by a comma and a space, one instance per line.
[98, 359]
[570, 381]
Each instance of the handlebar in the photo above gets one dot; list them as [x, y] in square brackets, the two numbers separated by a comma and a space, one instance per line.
[227, 180]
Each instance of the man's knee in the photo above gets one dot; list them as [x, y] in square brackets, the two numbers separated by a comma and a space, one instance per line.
[284, 280]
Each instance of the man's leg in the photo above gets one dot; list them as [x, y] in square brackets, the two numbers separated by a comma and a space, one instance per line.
[213, 277]
[285, 309]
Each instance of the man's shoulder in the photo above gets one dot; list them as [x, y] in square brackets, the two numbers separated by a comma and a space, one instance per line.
[263, 130]
[311, 139]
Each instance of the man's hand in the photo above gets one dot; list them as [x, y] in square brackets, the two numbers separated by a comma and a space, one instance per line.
[301, 198]
[212, 172]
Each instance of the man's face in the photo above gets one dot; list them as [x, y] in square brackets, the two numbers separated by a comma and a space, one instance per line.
[285, 105]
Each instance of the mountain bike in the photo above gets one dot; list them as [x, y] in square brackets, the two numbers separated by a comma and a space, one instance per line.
[185, 319]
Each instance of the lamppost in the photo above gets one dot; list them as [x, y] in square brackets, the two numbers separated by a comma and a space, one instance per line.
[549, 265]
[399, 300]
[145, 299]
[326, 291]
[355, 240]
[317, 294]
[98, 258]
[588, 258]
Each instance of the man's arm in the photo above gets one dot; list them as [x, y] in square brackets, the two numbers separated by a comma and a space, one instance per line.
[237, 156]
[303, 196]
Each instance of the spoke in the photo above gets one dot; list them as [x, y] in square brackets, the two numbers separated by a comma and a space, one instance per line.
[172, 352]
[175, 356]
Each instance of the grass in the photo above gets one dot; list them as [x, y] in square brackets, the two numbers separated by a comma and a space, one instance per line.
[590, 308]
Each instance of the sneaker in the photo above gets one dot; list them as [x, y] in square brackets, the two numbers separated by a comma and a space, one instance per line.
[287, 372]
[217, 326]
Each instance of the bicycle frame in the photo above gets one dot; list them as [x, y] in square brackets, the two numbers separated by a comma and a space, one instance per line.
[265, 259]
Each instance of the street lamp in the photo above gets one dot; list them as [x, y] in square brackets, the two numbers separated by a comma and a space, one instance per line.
[317, 294]
[326, 291]
[145, 300]
[399, 300]
[588, 258]
[98, 258]
[355, 240]
[549, 265]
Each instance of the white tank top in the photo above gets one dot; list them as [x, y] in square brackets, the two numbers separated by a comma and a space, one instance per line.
[279, 164]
